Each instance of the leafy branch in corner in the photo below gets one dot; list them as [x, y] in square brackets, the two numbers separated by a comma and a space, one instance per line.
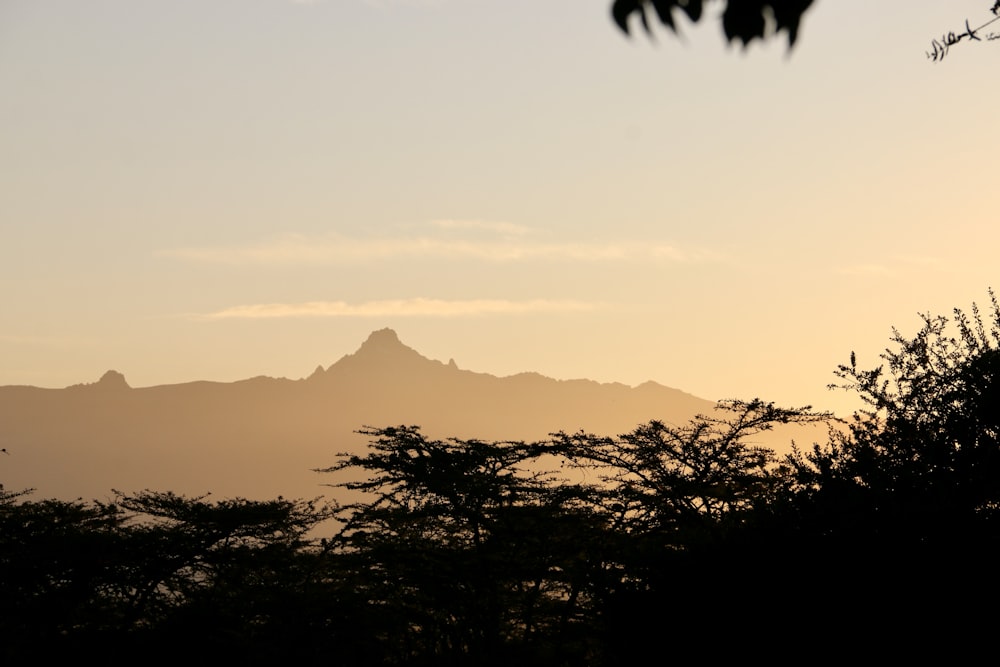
[743, 20]
[941, 47]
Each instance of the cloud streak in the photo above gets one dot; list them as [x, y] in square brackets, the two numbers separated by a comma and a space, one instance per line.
[896, 267]
[872, 270]
[334, 250]
[505, 228]
[44, 341]
[418, 307]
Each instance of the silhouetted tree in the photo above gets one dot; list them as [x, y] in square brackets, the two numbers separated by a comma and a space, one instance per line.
[237, 578]
[579, 550]
[467, 551]
[928, 445]
[900, 511]
[480, 552]
[225, 572]
[680, 500]
[55, 564]
[689, 479]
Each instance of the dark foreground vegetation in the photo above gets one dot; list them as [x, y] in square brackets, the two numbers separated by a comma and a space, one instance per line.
[670, 542]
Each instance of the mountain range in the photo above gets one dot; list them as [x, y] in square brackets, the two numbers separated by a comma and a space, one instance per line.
[263, 437]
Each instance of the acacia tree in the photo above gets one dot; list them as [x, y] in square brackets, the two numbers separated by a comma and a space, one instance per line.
[679, 481]
[216, 569]
[681, 501]
[239, 578]
[54, 567]
[478, 551]
[468, 550]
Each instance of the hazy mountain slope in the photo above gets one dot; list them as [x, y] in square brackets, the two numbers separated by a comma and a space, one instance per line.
[261, 437]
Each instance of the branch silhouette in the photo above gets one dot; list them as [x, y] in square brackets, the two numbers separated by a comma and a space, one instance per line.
[941, 47]
[742, 20]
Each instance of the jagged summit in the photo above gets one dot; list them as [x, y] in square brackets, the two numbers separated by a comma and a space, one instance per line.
[112, 380]
[380, 340]
[383, 351]
[385, 344]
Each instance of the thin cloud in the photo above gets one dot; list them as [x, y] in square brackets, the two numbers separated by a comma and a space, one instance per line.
[43, 341]
[505, 228]
[333, 250]
[867, 270]
[418, 307]
[895, 267]
[923, 261]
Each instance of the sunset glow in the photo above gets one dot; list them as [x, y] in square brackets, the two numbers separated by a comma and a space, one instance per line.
[219, 189]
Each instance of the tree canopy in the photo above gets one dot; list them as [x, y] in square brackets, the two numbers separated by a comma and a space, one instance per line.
[582, 549]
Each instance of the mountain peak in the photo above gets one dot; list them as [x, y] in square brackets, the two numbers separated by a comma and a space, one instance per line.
[382, 349]
[381, 339]
[385, 344]
[113, 380]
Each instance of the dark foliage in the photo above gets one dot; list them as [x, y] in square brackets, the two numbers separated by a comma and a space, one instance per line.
[742, 20]
[470, 552]
[901, 510]
[236, 576]
[925, 455]
[580, 550]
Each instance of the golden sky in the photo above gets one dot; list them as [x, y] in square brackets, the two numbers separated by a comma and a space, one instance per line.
[217, 189]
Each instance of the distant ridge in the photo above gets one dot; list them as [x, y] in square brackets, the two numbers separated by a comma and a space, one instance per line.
[261, 437]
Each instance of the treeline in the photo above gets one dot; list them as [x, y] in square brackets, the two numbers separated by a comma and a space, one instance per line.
[690, 542]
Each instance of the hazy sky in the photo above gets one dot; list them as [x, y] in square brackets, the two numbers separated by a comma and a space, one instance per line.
[217, 189]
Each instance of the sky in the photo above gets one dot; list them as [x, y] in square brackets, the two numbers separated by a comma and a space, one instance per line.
[220, 189]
